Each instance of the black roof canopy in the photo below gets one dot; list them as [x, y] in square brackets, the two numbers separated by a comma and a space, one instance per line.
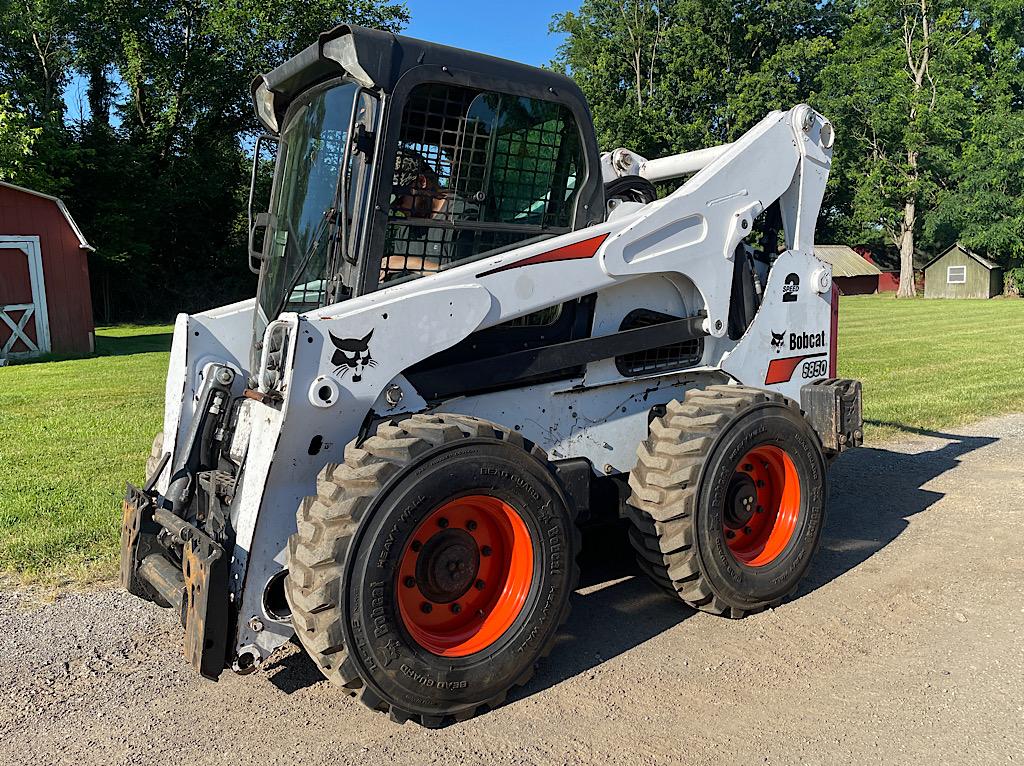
[378, 60]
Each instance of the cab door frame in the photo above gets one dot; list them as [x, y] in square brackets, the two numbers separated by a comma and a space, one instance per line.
[589, 205]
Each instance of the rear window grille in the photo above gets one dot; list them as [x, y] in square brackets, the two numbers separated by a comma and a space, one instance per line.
[477, 172]
[675, 356]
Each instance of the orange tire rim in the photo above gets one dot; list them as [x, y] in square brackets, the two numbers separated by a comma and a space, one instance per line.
[464, 575]
[762, 506]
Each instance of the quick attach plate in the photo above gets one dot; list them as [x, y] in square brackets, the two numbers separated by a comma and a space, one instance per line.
[138, 540]
[206, 608]
[199, 587]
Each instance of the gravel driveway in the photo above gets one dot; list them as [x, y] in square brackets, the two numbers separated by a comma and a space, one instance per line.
[905, 645]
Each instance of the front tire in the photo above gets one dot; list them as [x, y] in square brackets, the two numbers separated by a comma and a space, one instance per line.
[434, 567]
[728, 499]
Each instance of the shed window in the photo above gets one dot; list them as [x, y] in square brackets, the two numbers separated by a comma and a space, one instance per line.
[956, 275]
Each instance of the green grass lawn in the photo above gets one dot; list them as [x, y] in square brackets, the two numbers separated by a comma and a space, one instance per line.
[72, 432]
[932, 364]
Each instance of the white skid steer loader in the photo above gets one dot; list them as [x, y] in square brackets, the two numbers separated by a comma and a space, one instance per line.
[473, 333]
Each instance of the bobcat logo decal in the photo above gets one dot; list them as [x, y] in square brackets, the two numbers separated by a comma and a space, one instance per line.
[778, 340]
[352, 354]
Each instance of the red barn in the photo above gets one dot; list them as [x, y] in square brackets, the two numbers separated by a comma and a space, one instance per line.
[45, 305]
[889, 282]
[851, 273]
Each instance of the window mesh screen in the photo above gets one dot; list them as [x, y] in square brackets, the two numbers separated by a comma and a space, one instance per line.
[674, 356]
[476, 172]
[534, 168]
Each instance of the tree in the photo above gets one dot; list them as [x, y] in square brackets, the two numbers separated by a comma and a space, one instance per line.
[983, 205]
[157, 169]
[664, 76]
[35, 55]
[900, 89]
[16, 139]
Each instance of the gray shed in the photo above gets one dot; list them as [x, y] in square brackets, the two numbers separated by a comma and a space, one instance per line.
[956, 272]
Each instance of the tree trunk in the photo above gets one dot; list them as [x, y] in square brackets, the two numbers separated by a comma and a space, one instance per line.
[919, 69]
[99, 93]
[906, 289]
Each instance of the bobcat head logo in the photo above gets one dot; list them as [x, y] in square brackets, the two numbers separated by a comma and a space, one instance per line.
[777, 339]
[352, 354]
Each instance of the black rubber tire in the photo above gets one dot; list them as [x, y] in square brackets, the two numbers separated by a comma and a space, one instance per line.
[156, 454]
[366, 508]
[678, 490]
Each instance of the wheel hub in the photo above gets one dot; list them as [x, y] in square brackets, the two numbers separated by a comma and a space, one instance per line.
[762, 505]
[447, 565]
[741, 501]
[464, 575]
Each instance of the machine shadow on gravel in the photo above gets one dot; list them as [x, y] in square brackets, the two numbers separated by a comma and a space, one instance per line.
[873, 494]
[605, 622]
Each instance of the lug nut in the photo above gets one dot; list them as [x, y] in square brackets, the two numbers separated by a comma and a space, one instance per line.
[760, 482]
[410, 582]
[760, 509]
[748, 467]
[456, 608]
[442, 522]
[471, 525]
[416, 545]
[747, 530]
[425, 607]
[486, 550]
[479, 584]
[730, 534]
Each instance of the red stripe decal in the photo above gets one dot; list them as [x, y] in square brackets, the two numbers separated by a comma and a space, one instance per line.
[781, 370]
[585, 248]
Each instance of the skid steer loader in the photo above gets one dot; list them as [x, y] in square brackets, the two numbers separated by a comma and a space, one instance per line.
[473, 334]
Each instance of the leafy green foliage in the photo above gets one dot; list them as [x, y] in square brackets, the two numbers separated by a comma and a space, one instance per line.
[984, 202]
[899, 88]
[926, 97]
[16, 139]
[665, 76]
[157, 171]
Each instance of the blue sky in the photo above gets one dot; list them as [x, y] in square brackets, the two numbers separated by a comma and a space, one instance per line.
[515, 30]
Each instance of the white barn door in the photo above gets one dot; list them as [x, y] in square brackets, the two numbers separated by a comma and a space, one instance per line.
[24, 326]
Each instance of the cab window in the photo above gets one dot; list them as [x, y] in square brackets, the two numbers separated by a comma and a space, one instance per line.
[477, 172]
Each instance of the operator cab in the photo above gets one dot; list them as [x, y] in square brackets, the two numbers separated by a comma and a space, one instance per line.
[399, 158]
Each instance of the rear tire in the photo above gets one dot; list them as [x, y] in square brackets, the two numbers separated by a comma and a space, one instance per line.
[728, 499]
[433, 567]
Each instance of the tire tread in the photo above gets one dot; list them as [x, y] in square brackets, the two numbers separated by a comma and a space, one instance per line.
[327, 523]
[665, 485]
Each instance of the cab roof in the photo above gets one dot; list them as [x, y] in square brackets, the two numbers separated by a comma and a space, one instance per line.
[377, 60]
